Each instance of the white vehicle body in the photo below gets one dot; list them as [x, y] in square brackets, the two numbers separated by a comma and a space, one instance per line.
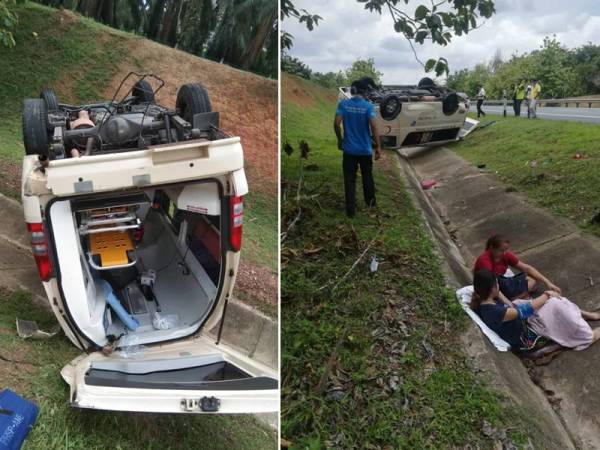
[420, 122]
[187, 197]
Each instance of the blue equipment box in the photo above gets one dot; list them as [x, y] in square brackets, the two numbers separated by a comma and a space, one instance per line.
[17, 417]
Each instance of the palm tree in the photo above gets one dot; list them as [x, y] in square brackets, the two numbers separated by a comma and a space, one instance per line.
[264, 15]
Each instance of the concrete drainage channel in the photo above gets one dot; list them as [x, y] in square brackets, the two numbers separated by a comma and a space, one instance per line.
[244, 329]
[504, 371]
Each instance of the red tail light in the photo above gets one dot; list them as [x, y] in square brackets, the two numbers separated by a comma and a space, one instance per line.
[39, 247]
[236, 220]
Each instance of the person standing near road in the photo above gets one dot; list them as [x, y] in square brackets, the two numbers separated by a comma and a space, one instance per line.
[357, 116]
[518, 97]
[480, 99]
[535, 96]
[528, 89]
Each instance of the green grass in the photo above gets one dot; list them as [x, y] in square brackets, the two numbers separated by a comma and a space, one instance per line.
[260, 230]
[79, 54]
[563, 185]
[37, 378]
[397, 376]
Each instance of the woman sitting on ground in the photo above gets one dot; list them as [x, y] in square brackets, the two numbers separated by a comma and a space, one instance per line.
[497, 258]
[548, 315]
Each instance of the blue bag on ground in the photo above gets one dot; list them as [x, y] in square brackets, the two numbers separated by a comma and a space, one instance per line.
[17, 416]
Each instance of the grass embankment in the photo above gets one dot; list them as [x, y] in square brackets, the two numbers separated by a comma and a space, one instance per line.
[36, 375]
[537, 157]
[75, 57]
[374, 362]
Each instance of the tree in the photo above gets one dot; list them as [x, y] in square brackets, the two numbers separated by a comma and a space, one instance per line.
[169, 23]
[303, 16]
[265, 25]
[552, 66]
[469, 81]
[496, 62]
[242, 33]
[433, 23]
[8, 20]
[329, 80]
[425, 23]
[295, 66]
[586, 63]
[199, 21]
[561, 72]
[362, 68]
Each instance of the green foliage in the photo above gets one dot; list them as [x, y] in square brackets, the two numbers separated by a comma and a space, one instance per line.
[586, 60]
[294, 66]
[552, 66]
[363, 68]
[332, 80]
[561, 72]
[428, 22]
[242, 33]
[303, 16]
[8, 21]
[425, 23]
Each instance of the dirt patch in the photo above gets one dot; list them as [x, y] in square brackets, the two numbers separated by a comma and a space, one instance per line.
[247, 102]
[64, 87]
[66, 18]
[302, 93]
[256, 284]
[10, 181]
[15, 369]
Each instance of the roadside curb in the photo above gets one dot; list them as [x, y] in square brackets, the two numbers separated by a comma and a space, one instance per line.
[251, 332]
[504, 371]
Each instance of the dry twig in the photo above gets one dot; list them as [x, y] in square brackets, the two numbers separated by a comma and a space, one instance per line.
[353, 265]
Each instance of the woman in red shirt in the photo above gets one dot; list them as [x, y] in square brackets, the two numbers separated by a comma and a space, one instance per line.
[497, 258]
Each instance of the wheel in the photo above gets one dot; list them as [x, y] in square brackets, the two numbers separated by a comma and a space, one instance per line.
[426, 82]
[35, 133]
[450, 103]
[192, 99]
[49, 97]
[143, 92]
[390, 107]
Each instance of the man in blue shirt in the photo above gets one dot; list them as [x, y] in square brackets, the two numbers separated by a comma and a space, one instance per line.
[358, 118]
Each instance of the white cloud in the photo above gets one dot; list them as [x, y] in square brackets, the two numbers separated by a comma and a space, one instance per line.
[348, 32]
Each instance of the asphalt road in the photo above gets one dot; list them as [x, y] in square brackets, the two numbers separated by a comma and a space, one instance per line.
[587, 115]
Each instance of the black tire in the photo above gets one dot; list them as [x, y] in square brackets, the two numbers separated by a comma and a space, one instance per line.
[192, 99]
[49, 97]
[143, 92]
[35, 133]
[426, 82]
[450, 103]
[390, 107]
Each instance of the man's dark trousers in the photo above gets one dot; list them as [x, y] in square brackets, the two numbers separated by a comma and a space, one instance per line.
[517, 107]
[350, 165]
[479, 110]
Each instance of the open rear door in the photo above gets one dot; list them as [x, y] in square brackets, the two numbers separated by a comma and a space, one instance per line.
[468, 127]
[191, 376]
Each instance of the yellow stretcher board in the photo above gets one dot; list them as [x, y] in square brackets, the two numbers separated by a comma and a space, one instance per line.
[111, 246]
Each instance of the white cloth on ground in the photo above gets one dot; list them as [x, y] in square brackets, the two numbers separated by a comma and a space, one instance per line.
[464, 297]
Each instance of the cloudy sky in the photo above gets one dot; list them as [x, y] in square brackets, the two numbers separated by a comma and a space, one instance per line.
[348, 32]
